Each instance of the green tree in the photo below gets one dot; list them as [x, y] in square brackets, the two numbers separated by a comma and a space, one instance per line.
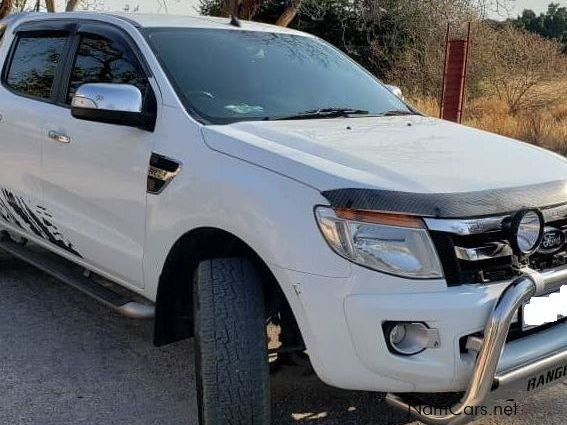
[552, 24]
[376, 33]
[403, 41]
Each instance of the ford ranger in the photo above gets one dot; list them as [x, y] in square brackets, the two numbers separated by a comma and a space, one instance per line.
[222, 177]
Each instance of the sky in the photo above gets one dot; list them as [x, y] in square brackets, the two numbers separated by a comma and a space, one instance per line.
[185, 7]
[517, 6]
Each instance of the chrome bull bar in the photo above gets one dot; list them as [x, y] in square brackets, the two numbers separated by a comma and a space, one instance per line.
[490, 347]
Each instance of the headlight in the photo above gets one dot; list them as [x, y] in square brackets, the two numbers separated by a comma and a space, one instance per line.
[394, 244]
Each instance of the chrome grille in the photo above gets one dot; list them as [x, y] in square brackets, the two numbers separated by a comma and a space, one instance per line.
[476, 250]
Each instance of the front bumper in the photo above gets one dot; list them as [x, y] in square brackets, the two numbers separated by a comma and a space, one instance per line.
[341, 318]
[488, 382]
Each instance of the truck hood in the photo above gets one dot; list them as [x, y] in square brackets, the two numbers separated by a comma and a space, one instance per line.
[408, 154]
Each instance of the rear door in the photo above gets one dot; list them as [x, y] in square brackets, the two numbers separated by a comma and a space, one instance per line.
[94, 174]
[34, 60]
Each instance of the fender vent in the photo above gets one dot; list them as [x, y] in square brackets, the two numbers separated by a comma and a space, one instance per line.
[161, 172]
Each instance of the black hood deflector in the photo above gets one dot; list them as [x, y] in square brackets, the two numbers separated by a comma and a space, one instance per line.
[452, 205]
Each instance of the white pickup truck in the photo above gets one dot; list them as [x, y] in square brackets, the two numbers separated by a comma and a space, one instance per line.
[221, 177]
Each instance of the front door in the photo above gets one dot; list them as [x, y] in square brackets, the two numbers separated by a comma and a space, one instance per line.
[94, 174]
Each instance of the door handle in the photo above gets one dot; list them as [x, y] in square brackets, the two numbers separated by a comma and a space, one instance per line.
[59, 137]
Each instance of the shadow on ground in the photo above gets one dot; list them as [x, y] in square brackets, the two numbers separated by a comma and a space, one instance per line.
[306, 400]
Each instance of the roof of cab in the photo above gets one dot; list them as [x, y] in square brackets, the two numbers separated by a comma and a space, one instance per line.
[157, 20]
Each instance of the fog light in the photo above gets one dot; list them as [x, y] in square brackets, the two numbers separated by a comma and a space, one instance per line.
[410, 338]
[525, 231]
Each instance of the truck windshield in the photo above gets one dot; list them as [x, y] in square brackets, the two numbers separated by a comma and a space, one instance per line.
[228, 76]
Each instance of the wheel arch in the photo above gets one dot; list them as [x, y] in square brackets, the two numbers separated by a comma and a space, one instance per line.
[174, 302]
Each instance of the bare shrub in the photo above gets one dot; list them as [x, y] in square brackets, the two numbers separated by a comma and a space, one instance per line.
[522, 69]
[418, 66]
[426, 105]
[545, 126]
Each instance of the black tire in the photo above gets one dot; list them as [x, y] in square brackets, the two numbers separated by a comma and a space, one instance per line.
[231, 355]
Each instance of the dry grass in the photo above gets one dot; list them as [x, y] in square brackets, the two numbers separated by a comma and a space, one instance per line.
[545, 126]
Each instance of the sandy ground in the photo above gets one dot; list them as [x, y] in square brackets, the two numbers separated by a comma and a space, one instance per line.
[65, 359]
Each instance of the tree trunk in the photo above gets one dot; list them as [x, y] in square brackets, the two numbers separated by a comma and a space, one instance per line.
[228, 7]
[72, 5]
[289, 14]
[246, 9]
[5, 8]
[50, 6]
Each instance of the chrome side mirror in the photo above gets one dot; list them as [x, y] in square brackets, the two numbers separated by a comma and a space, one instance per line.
[395, 90]
[120, 104]
[108, 97]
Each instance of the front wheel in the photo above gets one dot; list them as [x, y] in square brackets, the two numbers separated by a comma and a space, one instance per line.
[230, 344]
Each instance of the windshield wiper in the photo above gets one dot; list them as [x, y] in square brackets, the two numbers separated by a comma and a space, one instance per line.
[396, 113]
[339, 113]
[322, 113]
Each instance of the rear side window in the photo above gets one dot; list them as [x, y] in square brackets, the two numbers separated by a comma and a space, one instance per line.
[34, 65]
[100, 60]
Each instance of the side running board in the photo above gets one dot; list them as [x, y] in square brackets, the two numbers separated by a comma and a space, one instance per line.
[66, 272]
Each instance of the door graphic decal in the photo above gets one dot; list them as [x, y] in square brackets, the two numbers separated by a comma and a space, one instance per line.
[37, 220]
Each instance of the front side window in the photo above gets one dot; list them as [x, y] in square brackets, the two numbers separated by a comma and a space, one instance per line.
[100, 60]
[34, 65]
[228, 76]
